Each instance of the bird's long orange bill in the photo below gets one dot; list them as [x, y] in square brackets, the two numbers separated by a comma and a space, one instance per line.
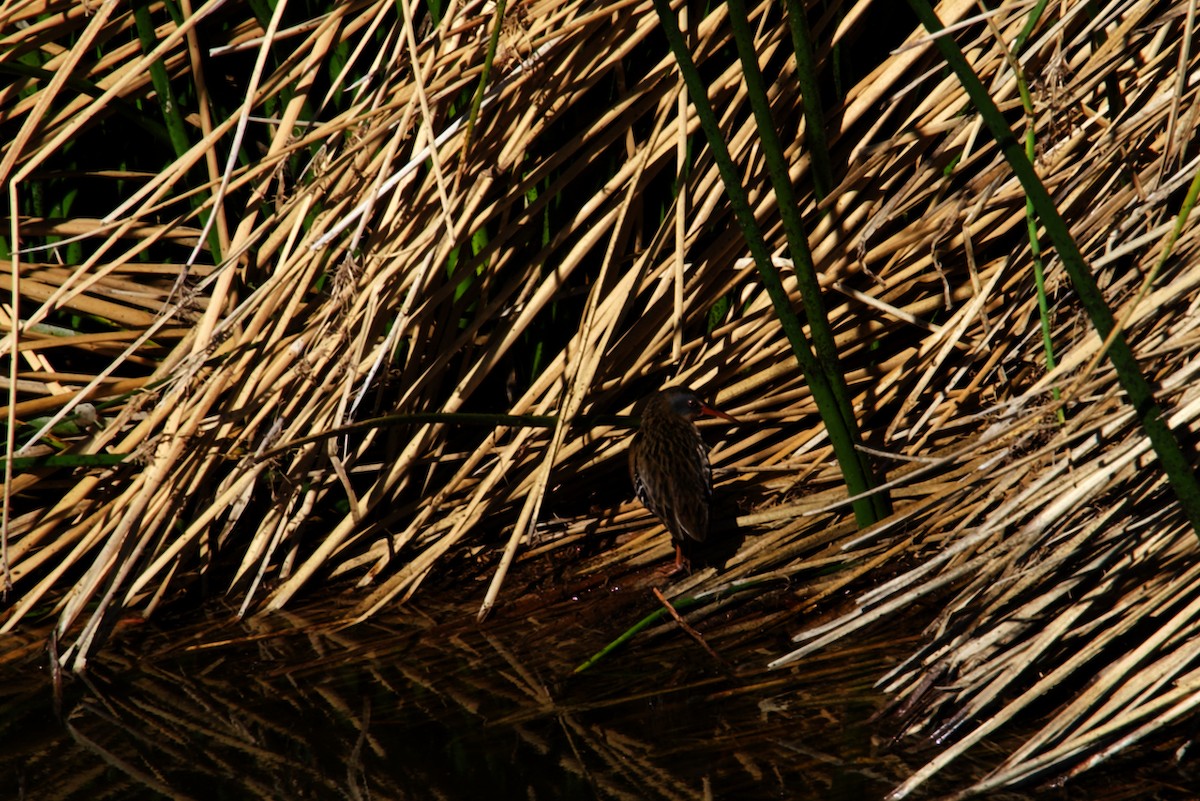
[711, 412]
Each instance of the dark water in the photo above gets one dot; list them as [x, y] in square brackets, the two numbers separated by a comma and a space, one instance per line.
[423, 703]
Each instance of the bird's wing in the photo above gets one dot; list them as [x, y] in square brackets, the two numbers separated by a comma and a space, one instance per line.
[691, 521]
[675, 485]
[682, 503]
[695, 490]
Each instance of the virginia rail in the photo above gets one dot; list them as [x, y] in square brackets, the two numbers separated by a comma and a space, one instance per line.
[668, 462]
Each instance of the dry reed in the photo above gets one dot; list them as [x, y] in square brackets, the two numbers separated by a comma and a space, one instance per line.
[374, 261]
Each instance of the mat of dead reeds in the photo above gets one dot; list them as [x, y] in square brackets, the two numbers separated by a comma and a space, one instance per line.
[330, 296]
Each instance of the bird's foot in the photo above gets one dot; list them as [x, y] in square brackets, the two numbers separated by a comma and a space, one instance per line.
[682, 565]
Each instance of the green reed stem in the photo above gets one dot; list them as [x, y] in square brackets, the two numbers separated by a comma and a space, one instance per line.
[1153, 420]
[821, 369]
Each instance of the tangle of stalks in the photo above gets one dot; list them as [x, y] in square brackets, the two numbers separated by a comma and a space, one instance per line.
[261, 273]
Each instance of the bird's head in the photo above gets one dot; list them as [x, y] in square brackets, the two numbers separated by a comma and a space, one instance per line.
[688, 405]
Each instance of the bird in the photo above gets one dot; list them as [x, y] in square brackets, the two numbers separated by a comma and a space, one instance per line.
[668, 462]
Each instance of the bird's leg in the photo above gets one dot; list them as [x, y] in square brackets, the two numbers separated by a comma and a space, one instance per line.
[681, 565]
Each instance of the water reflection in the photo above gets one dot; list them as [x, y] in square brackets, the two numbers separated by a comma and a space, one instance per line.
[426, 704]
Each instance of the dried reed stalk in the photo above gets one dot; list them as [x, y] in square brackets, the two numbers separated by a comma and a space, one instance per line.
[363, 258]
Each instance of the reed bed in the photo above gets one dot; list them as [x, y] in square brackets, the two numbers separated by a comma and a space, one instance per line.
[295, 350]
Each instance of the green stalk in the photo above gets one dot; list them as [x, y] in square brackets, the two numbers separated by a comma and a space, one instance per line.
[484, 419]
[1031, 22]
[119, 106]
[1031, 219]
[821, 370]
[168, 104]
[1189, 203]
[681, 603]
[1185, 211]
[71, 461]
[489, 57]
[1153, 420]
[1039, 281]
[814, 119]
[630, 633]
[823, 340]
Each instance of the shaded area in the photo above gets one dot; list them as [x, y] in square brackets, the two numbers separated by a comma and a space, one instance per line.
[419, 704]
[409, 707]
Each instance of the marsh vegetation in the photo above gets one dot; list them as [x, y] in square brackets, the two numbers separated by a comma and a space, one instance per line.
[358, 298]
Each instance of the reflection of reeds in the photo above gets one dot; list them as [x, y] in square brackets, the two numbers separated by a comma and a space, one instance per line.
[357, 260]
[409, 709]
